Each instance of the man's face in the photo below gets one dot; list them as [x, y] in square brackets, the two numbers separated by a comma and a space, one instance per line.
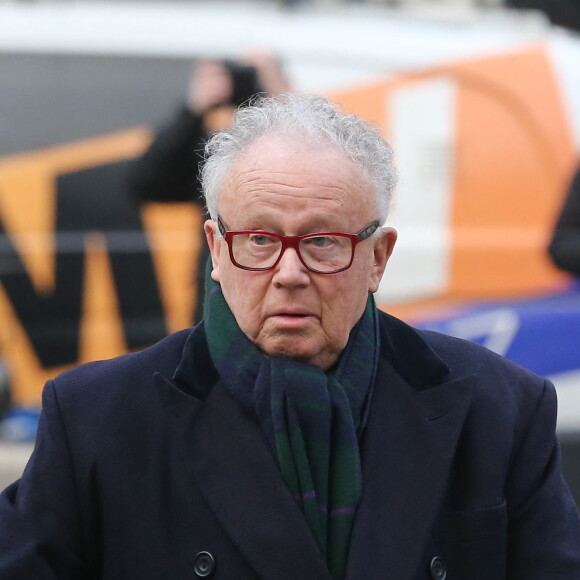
[286, 186]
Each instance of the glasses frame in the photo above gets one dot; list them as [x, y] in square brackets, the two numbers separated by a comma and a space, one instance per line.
[294, 243]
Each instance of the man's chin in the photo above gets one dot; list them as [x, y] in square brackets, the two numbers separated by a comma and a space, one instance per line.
[290, 349]
[310, 355]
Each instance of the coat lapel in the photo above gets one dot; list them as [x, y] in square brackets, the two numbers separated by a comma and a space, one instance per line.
[406, 452]
[236, 473]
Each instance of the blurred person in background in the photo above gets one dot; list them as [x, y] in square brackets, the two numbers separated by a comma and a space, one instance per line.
[564, 247]
[297, 432]
[169, 169]
[565, 13]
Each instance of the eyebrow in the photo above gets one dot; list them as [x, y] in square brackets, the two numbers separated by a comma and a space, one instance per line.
[311, 227]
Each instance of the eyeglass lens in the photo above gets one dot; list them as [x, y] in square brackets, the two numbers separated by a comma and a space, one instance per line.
[321, 253]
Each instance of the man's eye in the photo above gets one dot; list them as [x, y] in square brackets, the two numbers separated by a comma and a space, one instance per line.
[261, 240]
[321, 241]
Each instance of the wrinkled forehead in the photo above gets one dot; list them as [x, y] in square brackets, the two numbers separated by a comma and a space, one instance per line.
[311, 171]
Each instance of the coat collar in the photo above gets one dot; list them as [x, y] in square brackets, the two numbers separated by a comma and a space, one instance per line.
[415, 420]
[224, 451]
[416, 416]
[407, 452]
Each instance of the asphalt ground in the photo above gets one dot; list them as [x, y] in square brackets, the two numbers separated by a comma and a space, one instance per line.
[13, 458]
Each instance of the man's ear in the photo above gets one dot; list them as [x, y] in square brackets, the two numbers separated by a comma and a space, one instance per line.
[382, 251]
[211, 234]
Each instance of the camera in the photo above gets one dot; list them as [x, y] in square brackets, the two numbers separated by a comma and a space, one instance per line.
[245, 81]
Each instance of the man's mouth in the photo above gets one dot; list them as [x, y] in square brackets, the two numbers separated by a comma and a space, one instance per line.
[292, 314]
[291, 319]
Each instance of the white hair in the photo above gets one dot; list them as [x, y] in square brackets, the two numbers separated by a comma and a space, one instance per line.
[309, 116]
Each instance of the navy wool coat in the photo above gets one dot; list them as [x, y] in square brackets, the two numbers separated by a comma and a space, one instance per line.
[145, 468]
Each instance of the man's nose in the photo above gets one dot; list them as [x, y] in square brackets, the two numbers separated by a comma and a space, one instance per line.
[290, 271]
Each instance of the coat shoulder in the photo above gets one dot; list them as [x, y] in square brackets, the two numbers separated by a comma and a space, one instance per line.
[501, 388]
[466, 357]
[426, 358]
[129, 369]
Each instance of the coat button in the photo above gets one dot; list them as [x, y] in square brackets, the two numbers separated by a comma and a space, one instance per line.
[438, 569]
[203, 565]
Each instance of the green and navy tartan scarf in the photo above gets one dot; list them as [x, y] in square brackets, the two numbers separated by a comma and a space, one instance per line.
[312, 420]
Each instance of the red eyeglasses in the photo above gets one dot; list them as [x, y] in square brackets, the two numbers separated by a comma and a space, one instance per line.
[324, 253]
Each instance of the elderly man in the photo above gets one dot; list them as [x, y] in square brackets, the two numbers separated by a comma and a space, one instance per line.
[297, 432]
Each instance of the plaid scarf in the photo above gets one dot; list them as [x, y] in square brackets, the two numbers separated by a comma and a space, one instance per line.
[312, 420]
